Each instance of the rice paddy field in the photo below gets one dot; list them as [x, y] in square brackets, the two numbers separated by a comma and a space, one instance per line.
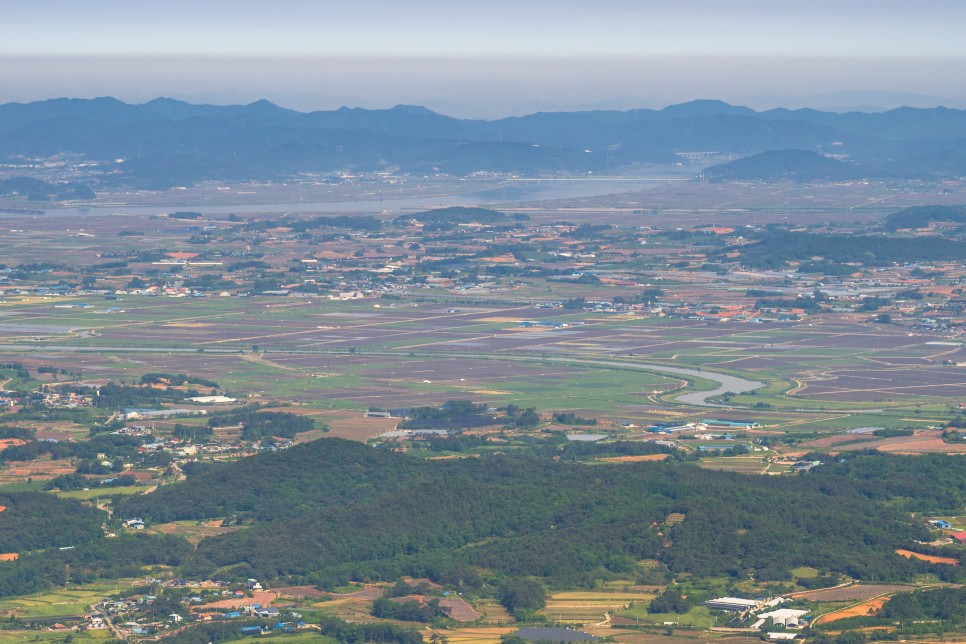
[589, 607]
[70, 602]
[21, 637]
[819, 375]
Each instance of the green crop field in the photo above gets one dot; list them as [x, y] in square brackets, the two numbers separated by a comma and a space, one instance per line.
[74, 601]
[103, 492]
[697, 617]
[581, 607]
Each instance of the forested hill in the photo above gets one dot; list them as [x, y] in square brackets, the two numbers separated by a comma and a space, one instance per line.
[60, 541]
[331, 510]
[33, 520]
[165, 142]
[923, 216]
[776, 165]
[775, 249]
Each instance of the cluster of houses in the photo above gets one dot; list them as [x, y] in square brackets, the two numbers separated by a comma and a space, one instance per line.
[8, 399]
[959, 536]
[198, 608]
[66, 400]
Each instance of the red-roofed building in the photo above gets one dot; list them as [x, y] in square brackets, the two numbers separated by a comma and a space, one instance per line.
[959, 536]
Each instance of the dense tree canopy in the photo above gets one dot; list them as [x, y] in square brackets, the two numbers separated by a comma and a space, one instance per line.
[329, 511]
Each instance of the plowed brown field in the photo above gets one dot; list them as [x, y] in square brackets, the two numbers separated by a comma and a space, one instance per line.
[634, 459]
[859, 610]
[930, 558]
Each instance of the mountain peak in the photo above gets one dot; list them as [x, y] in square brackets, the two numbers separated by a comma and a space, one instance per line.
[412, 109]
[705, 107]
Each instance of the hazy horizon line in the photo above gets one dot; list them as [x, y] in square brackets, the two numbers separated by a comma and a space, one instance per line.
[791, 105]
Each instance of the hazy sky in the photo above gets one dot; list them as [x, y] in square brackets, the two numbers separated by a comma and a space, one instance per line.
[487, 58]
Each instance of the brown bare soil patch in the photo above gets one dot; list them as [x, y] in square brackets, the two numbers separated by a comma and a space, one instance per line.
[369, 593]
[857, 592]
[859, 610]
[924, 442]
[40, 469]
[195, 533]
[478, 635]
[634, 459]
[459, 609]
[301, 592]
[354, 428]
[261, 597]
[10, 442]
[930, 558]
[9, 556]
[2, 508]
[828, 441]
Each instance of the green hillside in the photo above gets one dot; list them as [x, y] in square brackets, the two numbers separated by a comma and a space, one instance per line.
[331, 510]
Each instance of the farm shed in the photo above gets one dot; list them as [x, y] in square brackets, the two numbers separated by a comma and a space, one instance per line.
[733, 604]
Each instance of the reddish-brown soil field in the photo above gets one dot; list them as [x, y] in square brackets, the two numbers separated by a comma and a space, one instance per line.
[837, 439]
[929, 441]
[476, 634]
[39, 469]
[263, 598]
[859, 610]
[930, 558]
[634, 459]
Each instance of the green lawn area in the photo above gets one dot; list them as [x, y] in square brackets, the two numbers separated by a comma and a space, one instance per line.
[888, 420]
[820, 608]
[23, 486]
[103, 492]
[698, 616]
[748, 464]
[804, 572]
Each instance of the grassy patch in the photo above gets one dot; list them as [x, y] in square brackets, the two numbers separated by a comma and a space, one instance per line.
[103, 493]
[697, 617]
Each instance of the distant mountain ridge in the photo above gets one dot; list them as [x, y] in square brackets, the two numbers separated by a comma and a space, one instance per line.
[167, 142]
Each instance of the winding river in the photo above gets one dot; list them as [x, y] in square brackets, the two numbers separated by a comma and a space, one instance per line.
[726, 382]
